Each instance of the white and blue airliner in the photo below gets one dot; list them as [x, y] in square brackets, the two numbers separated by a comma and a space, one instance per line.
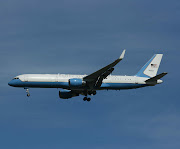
[75, 85]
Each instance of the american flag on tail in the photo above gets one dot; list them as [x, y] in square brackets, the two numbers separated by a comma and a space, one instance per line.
[154, 65]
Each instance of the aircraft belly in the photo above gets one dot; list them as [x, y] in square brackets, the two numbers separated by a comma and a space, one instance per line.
[41, 84]
[47, 84]
[121, 85]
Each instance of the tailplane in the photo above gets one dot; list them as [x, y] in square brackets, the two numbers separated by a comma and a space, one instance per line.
[154, 80]
[151, 67]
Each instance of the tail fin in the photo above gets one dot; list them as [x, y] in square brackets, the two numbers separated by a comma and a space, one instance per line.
[151, 67]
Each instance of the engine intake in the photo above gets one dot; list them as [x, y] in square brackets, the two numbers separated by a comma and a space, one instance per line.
[76, 82]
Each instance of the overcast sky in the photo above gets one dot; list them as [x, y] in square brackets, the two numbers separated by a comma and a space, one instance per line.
[79, 37]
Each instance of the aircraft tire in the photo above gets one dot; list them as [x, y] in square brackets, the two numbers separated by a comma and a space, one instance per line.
[88, 99]
[94, 92]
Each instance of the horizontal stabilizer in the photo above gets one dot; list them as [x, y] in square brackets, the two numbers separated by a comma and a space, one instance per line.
[154, 79]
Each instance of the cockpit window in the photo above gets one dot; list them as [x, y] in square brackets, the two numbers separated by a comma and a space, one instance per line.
[15, 78]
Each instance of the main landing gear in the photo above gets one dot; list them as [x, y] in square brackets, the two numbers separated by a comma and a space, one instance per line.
[92, 92]
[86, 98]
[27, 91]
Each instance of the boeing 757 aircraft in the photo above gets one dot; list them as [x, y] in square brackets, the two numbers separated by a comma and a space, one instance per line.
[74, 85]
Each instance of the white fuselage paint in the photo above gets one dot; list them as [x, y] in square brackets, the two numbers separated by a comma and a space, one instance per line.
[74, 85]
[66, 77]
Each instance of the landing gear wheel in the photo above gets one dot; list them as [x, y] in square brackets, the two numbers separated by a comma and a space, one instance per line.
[94, 93]
[85, 98]
[27, 91]
[88, 99]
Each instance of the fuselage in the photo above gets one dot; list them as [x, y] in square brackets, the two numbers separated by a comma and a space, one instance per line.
[75, 85]
[115, 82]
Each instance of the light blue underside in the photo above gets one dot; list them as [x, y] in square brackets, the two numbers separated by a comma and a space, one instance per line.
[141, 72]
[65, 85]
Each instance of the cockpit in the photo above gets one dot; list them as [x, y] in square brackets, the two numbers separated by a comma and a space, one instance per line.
[14, 82]
[15, 78]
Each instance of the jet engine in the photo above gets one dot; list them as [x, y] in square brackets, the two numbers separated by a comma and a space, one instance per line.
[65, 94]
[76, 82]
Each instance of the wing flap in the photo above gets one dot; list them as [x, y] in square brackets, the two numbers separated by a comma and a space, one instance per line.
[100, 79]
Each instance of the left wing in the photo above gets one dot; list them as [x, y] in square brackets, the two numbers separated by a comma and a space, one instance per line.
[96, 78]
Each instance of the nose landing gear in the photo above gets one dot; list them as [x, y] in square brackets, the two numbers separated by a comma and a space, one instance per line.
[27, 91]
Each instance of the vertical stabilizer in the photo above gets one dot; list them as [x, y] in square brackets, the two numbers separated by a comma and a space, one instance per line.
[151, 67]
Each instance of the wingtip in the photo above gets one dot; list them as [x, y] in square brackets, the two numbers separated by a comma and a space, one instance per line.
[122, 55]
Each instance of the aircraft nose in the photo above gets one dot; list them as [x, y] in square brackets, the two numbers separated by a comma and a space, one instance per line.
[15, 83]
[10, 83]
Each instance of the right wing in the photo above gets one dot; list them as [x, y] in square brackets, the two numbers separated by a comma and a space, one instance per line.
[96, 78]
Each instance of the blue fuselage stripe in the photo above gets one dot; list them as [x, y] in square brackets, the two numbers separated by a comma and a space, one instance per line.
[65, 85]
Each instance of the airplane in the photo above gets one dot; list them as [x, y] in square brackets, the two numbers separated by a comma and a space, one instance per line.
[75, 85]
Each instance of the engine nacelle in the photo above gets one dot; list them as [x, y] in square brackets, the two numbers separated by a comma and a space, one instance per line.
[76, 82]
[67, 94]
